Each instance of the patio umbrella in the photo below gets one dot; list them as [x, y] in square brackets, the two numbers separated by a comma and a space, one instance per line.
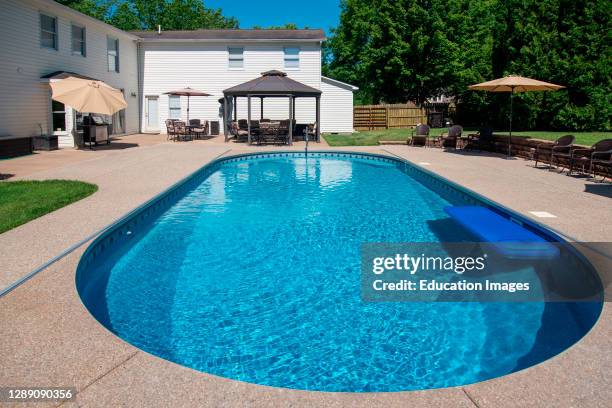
[188, 92]
[86, 95]
[514, 84]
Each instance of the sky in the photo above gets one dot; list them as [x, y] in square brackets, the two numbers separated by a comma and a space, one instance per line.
[311, 13]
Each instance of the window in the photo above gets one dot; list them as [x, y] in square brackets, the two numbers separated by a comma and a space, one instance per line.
[236, 57]
[292, 57]
[78, 40]
[174, 107]
[58, 111]
[48, 31]
[112, 45]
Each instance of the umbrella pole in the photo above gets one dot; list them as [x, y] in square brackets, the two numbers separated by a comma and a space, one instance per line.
[510, 133]
[187, 109]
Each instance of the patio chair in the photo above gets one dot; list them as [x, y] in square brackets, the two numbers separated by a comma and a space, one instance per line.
[239, 134]
[170, 130]
[197, 128]
[282, 132]
[560, 149]
[311, 131]
[180, 130]
[243, 124]
[421, 135]
[450, 139]
[598, 155]
[481, 140]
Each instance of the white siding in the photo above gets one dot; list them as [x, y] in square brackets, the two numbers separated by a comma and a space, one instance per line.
[25, 105]
[204, 66]
[336, 107]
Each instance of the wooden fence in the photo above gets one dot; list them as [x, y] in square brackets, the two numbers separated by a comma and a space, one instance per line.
[378, 117]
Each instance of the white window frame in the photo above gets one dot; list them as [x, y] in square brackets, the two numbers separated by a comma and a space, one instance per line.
[288, 59]
[174, 108]
[116, 55]
[237, 57]
[83, 51]
[55, 33]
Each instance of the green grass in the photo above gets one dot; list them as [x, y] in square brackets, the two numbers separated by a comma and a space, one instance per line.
[23, 201]
[371, 138]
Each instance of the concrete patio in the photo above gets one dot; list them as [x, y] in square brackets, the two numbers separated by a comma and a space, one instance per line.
[49, 339]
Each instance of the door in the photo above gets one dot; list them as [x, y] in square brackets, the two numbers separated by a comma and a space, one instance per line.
[152, 114]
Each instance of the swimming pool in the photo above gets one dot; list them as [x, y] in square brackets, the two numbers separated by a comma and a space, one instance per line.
[250, 270]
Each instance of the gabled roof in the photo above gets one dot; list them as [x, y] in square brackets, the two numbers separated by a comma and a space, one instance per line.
[341, 84]
[232, 35]
[272, 83]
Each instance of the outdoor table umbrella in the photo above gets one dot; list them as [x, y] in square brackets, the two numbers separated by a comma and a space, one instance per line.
[86, 95]
[188, 92]
[514, 84]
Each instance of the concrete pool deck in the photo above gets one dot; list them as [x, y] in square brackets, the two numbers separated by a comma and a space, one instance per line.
[49, 339]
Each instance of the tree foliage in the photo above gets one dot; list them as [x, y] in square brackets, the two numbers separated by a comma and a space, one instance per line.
[148, 14]
[399, 50]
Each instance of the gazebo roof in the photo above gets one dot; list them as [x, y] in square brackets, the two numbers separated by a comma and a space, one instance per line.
[272, 83]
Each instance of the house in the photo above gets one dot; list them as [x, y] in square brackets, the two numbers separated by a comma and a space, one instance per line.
[44, 41]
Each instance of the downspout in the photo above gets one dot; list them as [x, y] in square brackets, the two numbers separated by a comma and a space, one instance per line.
[140, 67]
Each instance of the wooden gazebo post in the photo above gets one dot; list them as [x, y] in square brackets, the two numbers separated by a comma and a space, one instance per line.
[225, 116]
[261, 99]
[249, 117]
[318, 119]
[291, 116]
[235, 108]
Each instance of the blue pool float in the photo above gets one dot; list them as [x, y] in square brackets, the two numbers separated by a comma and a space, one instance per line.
[515, 241]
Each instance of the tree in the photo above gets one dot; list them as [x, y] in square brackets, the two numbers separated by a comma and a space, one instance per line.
[414, 49]
[287, 26]
[393, 50]
[148, 14]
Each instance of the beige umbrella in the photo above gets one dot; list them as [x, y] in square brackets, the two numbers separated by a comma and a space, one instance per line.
[86, 95]
[514, 84]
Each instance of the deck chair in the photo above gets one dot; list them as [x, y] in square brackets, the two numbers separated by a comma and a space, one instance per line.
[597, 156]
[420, 136]
[239, 134]
[450, 140]
[481, 140]
[560, 149]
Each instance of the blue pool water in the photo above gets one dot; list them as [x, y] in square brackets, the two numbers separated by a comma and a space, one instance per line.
[254, 275]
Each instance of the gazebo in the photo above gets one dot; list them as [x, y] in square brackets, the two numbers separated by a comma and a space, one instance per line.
[271, 84]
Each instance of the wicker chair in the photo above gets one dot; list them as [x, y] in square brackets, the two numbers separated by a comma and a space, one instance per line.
[198, 129]
[450, 139]
[170, 130]
[481, 140]
[181, 130]
[240, 134]
[560, 149]
[421, 135]
[598, 155]
[282, 132]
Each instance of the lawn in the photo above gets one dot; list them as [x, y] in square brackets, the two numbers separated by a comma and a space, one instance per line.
[22, 201]
[371, 138]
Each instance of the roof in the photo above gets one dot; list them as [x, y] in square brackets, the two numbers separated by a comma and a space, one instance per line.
[272, 83]
[52, 6]
[340, 84]
[57, 75]
[232, 35]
